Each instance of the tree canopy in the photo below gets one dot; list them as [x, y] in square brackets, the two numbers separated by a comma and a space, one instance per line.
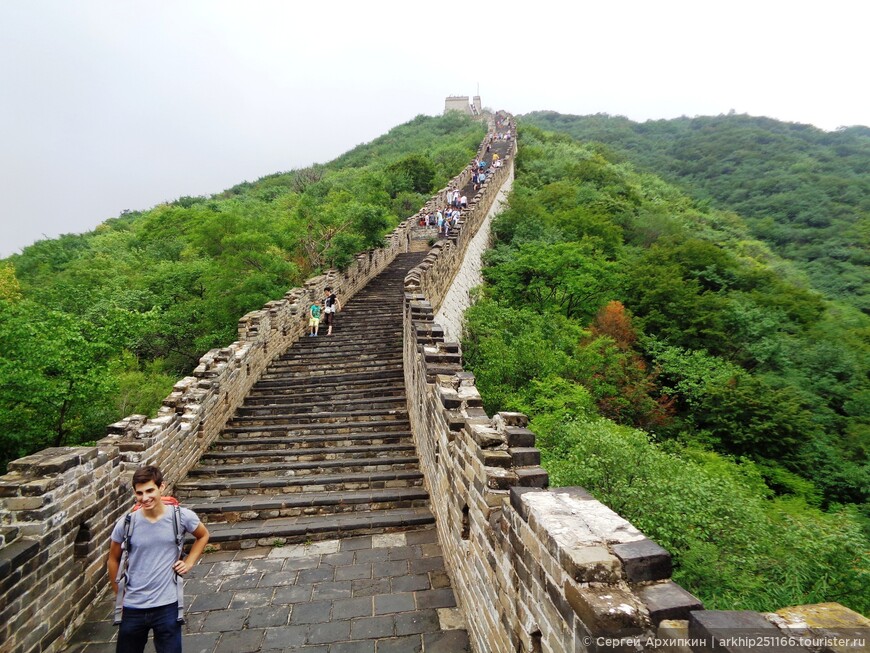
[802, 190]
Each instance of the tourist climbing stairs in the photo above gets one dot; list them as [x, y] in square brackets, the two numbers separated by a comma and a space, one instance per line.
[322, 446]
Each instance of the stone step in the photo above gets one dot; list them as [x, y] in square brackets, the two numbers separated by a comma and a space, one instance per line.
[389, 388]
[292, 530]
[305, 467]
[359, 340]
[315, 428]
[315, 367]
[368, 352]
[393, 379]
[326, 405]
[246, 508]
[342, 361]
[304, 381]
[337, 344]
[292, 419]
[299, 424]
[384, 310]
[353, 333]
[228, 486]
[336, 356]
[237, 442]
[249, 456]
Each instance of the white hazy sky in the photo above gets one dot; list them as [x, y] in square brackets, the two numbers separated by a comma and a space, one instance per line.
[108, 105]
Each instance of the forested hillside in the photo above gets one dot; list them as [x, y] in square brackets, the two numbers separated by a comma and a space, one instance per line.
[802, 190]
[683, 373]
[97, 326]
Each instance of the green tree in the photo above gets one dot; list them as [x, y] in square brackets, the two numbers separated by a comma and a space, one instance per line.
[570, 278]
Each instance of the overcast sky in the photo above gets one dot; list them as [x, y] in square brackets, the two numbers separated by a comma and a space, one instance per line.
[113, 105]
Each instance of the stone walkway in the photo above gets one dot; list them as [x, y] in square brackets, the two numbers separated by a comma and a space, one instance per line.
[366, 594]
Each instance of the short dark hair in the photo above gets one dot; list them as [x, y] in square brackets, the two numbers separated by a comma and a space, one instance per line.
[147, 473]
[327, 289]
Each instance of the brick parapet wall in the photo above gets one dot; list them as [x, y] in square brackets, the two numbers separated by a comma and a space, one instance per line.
[58, 506]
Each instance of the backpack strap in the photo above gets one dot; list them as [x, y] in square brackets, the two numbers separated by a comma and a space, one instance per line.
[179, 542]
[121, 578]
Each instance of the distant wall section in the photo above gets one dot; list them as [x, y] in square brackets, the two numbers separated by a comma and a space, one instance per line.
[463, 104]
[458, 296]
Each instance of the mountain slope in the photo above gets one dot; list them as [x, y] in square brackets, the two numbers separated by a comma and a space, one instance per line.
[804, 191]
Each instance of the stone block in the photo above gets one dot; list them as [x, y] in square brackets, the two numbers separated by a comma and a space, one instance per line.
[455, 422]
[449, 398]
[737, 631]
[590, 564]
[604, 611]
[832, 623]
[516, 436]
[516, 494]
[503, 419]
[533, 477]
[668, 601]
[477, 413]
[577, 493]
[8, 534]
[14, 504]
[41, 486]
[675, 635]
[500, 479]
[494, 458]
[823, 615]
[643, 560]
[54, 460]
[525, 456]
[17, 554]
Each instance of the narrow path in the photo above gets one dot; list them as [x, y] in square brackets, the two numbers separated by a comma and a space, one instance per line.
[314, 495]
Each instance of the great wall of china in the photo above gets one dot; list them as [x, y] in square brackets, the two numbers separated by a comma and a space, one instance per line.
[359, 497]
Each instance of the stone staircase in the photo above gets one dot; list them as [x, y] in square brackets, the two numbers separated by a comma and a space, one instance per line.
[322, 446]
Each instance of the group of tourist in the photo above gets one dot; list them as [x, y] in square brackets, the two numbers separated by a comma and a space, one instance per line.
[444, 220]
[457, 201]
[324, 310]
[479, 174]
[503, 130]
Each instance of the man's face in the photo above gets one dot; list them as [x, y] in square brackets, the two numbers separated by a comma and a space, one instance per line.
[148, 494]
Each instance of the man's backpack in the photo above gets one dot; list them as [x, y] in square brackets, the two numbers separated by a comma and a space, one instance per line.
[121, 578]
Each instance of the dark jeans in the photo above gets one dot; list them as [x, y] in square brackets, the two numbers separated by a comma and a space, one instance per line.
[136, 622]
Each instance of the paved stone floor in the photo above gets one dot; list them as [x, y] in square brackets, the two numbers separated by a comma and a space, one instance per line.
[366, 594]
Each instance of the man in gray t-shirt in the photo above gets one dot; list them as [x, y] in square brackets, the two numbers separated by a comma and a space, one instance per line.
[150, 598]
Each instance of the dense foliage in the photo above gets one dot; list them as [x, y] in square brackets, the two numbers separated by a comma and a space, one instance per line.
[613, 302]
[94, 327]
[802, 190]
